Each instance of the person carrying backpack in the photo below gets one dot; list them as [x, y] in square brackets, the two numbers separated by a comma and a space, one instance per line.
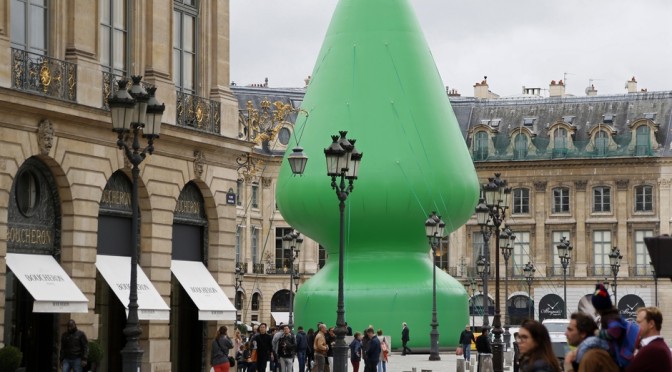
[286, 350]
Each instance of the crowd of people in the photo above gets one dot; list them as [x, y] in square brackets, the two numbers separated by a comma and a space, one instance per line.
[610, 344]
[277, 348]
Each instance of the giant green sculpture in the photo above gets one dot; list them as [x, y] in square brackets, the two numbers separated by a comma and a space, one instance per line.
[375, 77]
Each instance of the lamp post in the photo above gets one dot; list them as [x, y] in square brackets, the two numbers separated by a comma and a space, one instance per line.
[434, 227]
[239, 284]
[472, 287]
[565, 254]
[490, 219]
[529, 277]
[483, 270]
[132, 112]
[292, 241]
[655, 283]
[506, 245]
[343, 161]
[615, 262]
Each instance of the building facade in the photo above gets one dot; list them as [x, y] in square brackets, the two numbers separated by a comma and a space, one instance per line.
[65, 207]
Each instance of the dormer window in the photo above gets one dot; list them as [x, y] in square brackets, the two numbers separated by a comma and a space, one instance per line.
[569, 119]
[520, 147]
[560, 142]
[601, 142]
[480, 145]
[608, 118]
[528, 122]
[494, 123]
[650, 116]
[643, 141]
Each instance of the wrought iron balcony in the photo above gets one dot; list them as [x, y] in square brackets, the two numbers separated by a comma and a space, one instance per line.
[110, 86]
[198, 113]
[258, 268]
[556, 270]
[242, 266]
[599, 270]
[641, 270]
[44, 75]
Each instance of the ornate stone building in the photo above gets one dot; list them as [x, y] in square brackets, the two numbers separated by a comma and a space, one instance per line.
[65, 225]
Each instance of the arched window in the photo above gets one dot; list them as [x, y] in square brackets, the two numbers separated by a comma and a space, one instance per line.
[601, 143]
[560, 142]
[643, 141]
[255, 301]
[520, 147]
[481, 146]
[239, 300]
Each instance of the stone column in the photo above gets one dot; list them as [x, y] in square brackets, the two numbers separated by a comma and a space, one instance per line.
[582, 240]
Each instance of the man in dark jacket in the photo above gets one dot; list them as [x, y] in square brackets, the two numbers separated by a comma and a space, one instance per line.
[404, 339]
[74, 348]
[286, 350]
[483, 346]
[372, 354]
[301, 349]
[466, 338]
[264, 347]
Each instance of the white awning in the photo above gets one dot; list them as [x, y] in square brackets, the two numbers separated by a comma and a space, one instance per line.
[117, 273]
[203, 289]
[53, 290]
[280, 317]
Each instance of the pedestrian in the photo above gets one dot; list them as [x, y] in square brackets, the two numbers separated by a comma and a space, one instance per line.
[320, 347]
[356, 351]
[219, 353]
[276, 333]
[245, 355]
[384, 351]
[466, 338]
[516, 352]
[238, 344]
[310, 356]
[483, 346]
[535, 348]
[264, 347]
[590, 353]
[286, 350]
[654, 354]
[622, 335]
[348, 329]
[74, 348]
[331, 342]
[301, 348]
[404, 339]
[372, 354]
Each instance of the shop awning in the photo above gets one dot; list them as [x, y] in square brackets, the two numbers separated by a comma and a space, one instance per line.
[280, 317]
[203, 289]
[53, 290]
[117, 273]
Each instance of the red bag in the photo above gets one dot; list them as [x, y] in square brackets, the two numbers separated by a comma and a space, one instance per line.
[459, 351]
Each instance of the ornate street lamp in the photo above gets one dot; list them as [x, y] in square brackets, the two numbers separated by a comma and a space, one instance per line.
[292, 241]
[529, 271]
[615, 262]
[565, 254]
[434, 227]
[490, 213]
[239, 284]
[134, 111]
[506, 238]
[343, 161]
[472, 288]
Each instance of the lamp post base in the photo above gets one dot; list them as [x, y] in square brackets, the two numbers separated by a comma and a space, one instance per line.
[434, 340]
[498, 356]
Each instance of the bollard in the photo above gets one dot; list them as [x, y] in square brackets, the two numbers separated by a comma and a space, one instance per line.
[460, 365]
[485, 363]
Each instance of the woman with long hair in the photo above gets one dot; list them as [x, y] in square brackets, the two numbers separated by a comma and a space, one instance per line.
[219, 355]
[535, 348]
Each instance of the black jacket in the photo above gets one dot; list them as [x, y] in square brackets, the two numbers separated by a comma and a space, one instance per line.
[466, 337]
[301, 342]
[483, 344]
[74, 345]
[404, 334]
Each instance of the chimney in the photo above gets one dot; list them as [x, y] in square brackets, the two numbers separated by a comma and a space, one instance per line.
[481, 90]
[591, 91]
[631, 85]
[452, 92]
[556, 89]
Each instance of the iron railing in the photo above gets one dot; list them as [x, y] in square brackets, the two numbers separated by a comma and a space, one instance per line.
[110, 86]
[198, 113]
[641, 270]
[599, 270]
[44, 75]
[258, 268]
[556, 270]
[242, 266]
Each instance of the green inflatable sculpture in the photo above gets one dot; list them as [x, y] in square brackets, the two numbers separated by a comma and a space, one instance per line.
[375, 78]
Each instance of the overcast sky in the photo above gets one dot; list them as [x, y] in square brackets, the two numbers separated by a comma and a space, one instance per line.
[515, 43]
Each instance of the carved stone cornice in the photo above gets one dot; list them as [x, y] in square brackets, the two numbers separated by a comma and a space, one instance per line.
[622, 185]
[540, 186]
[580, 185]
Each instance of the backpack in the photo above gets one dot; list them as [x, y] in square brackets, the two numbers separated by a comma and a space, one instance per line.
[622, 348]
